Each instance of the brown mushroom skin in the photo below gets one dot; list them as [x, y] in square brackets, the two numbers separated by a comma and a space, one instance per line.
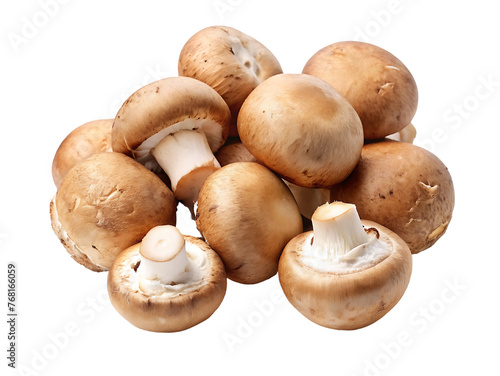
[208, 56]
[247, 215]
[376, 83]
[234, 152]
[166, 102]
[403, 187]
[105, 204]
[157, 314]
[300, 127]
[86, 140]
[346, 301]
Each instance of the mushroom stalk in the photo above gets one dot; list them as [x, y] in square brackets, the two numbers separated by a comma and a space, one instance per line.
[187, 159]
[163, 256]
[337, 230]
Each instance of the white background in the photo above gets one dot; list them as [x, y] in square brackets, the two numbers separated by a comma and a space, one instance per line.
[84, 58]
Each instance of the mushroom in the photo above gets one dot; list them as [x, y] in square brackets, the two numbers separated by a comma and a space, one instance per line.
[230, 61]
[234, 152]
[167, 283]
[407, 134]
[377, 84]
[403, 187]
[341, 275]
[107, 203]
[308, 199]
[178, 123]
[303, 129]
[86, 140]
[247, 215]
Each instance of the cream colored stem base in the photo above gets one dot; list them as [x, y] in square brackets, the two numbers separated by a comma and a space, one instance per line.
[337, 229]
[186, 158]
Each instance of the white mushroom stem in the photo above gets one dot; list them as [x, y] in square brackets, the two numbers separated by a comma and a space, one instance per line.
[187, 159]
[407, 134]
[337, 230]
[163, 256]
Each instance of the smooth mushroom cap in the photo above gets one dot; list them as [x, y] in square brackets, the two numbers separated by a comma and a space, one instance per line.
[377, 84]
[165, 314]
[403, 187]
[247, 215]
[303, 129]
[86, 140]
[229, 61]
[346, 301]
[161, 106]
[105, 204]
[234, 152]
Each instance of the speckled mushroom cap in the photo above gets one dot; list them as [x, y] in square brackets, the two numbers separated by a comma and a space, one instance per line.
[169, 312]
[403, 187]
[167, 106]
[230, 61]
[88, 139]
[349, 300]
[377, 84]
[105, 204]
[302, 128]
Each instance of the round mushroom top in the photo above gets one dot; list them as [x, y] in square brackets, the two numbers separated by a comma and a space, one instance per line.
[403, 187]
[300, 127]
[86, 140]
[228, 60]
[377, 84]
[105, 204]
[167, 106]
[247, 215]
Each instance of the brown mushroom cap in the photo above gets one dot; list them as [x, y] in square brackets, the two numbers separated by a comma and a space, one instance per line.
[346, 301]
[165, 314]
[86, 140]
[377, 84]
[235, 152]
[247, 215]
[163, 105]
[303, 129]
[105, 204]
[230, 61]
[403, 187]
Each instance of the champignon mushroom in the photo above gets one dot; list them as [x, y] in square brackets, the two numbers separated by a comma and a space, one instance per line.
[403, 187]
[377, 84]
[234, 152]
[178, 123]
[303, 129]
[230, 61]
[247, 215]
[167, 283]
[107, 203]
[341, 275]
[86, 140]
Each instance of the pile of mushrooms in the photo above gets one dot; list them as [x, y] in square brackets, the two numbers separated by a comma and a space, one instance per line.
[311, 176]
